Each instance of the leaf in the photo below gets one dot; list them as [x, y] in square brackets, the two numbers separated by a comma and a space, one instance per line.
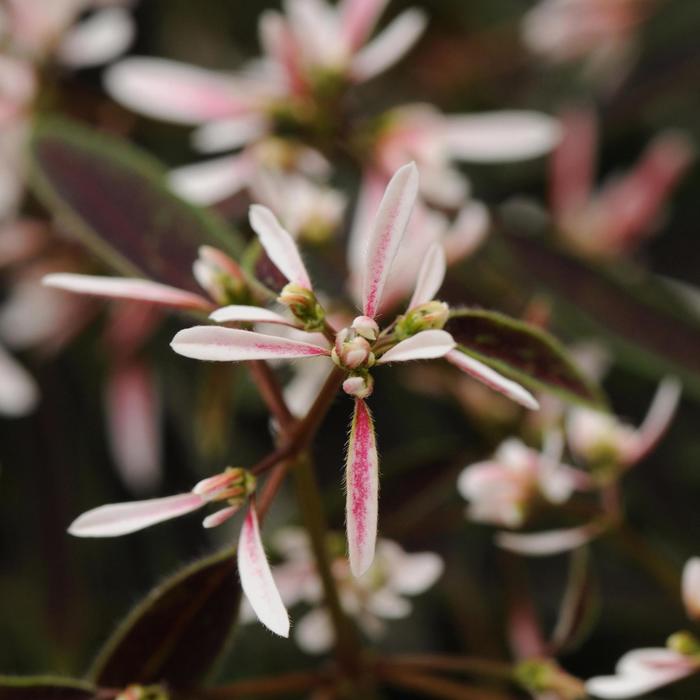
[176, 634]
[115, 199]
[44, 688]
[521, 351]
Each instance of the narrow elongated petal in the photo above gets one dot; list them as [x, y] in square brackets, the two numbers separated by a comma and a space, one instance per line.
[358, 18]
[248, 314]
[389, 228]
[19, 393]
[389, 46]
[543, 544]
[213, 180]
[426, 345]
[279, 245]
[218, 344]
[256, 578]
[362, 487]
[173, 91]
[497, 137]
[492, 379]
[123, 518]
[229, 133]
[657, 420]
[127, 288]
[430, 276]
[691, 587]
[98, 39]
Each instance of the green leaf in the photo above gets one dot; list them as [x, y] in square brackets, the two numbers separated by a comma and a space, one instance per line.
[115, 199]
[177, 633]
[520, 351]
[44, 688]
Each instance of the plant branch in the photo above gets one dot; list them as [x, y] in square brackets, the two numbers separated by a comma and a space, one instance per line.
[271, 393]
[451, 663]
[262, 687]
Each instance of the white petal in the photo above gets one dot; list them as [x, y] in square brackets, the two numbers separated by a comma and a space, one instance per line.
[389, 46]
[415, 573]
[497, 137]
[256, 578]
[218, 344]
[248, 314]
[228, 134]
[467, 232]
[173, 91]
[388, 230]
[123, 518]
[426, 345]
[126, 288]
[691, 587]
[387, 604]
[430, 276]
[492, 379]
[133, 423]
[213, 180]
[19, 393]
[220, 517]
[657, 420]
[543, 544]
[358, 18]
[314, 632]
[102, 37]
[362, 490]
[279, 245]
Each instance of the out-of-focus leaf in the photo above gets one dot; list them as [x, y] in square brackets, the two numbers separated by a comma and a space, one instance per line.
[646, 322]
[116, 200]
[178, 632]
[44, 688]
[520, 351]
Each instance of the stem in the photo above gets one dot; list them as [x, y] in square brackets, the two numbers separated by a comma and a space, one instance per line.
[452, 664]
[270, 391]
[260, 687]
[310, 504]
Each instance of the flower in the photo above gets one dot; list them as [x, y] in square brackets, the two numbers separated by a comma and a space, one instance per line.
[414, 336]
[234, 486]
[378, 595]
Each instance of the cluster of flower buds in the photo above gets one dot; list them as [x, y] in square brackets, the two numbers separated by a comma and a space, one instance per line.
[304, 306]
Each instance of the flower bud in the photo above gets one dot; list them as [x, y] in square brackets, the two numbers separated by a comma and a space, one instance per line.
[432, 315]
[303, 304]
[684, 643]
[234, 485]
[366, 327]
[220, 277]
[359, 386]
[543, 675]
[351, 350]
[140, 692]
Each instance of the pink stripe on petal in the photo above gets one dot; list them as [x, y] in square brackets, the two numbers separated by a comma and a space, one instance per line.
[430, 276]
[218, 344]
[123, 518]
[279, 245]
[248, 314]
[362, 486]
[127, 288]
[358, 18]
[492, 379]
[256, 578]
[387, 233]
[426, 345]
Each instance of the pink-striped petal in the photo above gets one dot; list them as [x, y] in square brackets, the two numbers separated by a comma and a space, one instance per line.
[358, 19]
[543, 544]
[492, 379]
[497, 137]
[256, 578]
[389, 46]
[217, 344]
[430, 276]
[99, 39]
[279, 245]
[133, 423]
[175, 92]
[690, 587]
[213, 180]
[657, 420]
[387, 233]
[248, 314]
[220, 517]
[426, 345]
[362, 490]
[123, 518]
[127, 288]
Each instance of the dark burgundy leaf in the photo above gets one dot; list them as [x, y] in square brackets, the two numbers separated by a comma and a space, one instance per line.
[178, 631]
